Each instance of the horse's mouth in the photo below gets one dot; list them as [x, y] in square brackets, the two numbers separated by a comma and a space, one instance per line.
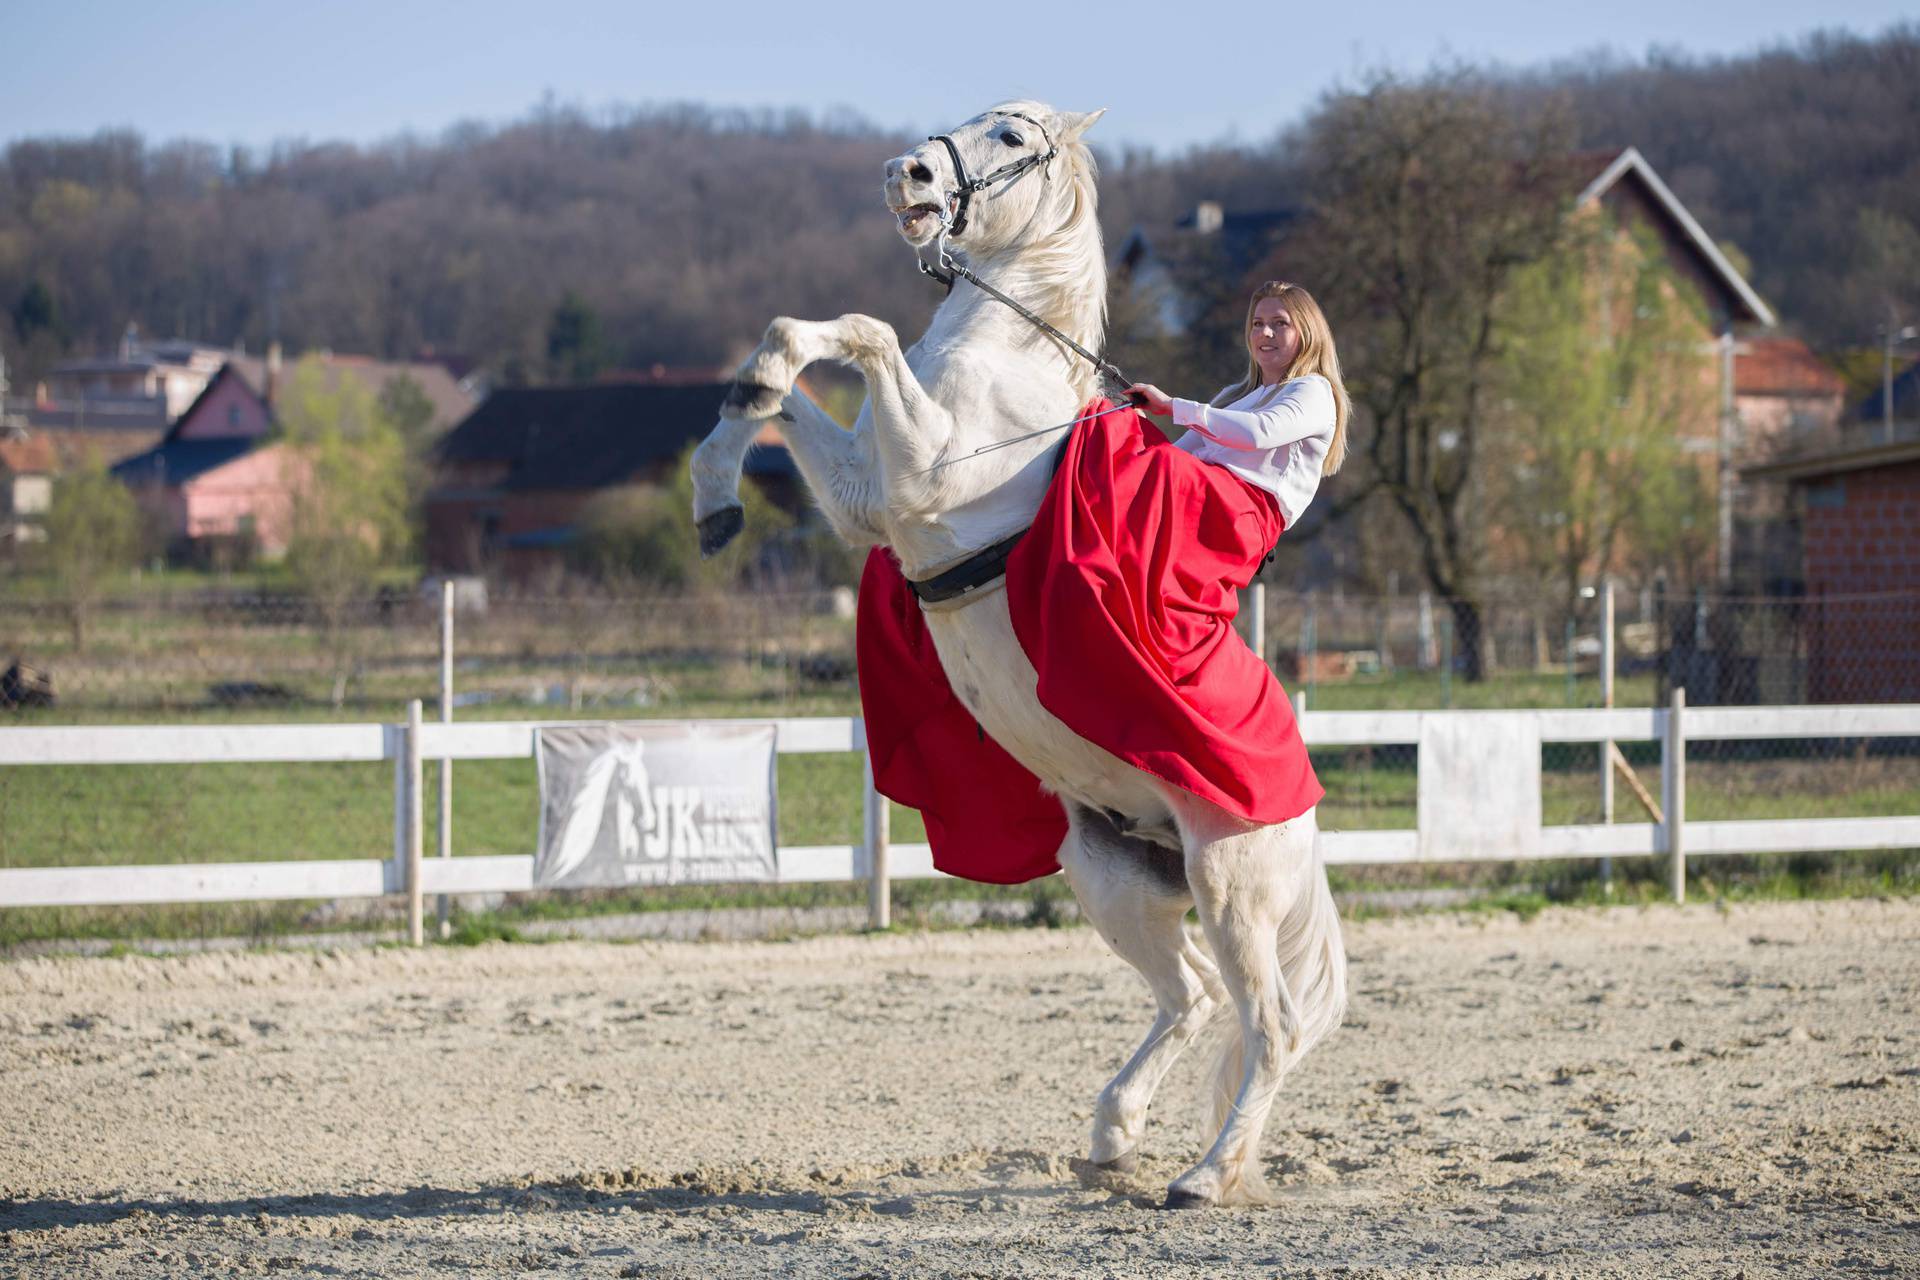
[914, 217]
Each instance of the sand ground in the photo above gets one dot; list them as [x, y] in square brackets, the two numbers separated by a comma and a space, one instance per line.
[1629, 1092]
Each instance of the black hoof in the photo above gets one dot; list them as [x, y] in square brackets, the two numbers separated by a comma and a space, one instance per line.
[750, 400]
[719, 528]
[1186, 1200]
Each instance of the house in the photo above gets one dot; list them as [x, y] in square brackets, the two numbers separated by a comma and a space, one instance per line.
[1787, 401]
[1617, 182]
[219, 484]
[512, 480]
[1856, 510]
[1892, 412]
[27, 467]
[141, 376]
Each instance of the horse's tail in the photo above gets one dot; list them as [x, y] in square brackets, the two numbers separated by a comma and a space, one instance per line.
[1312, 961]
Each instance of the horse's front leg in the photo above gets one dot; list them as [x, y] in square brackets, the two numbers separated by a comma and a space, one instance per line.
[911, 430]
[837, 464]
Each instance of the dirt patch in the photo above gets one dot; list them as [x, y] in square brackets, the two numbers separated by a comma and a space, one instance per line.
[1629, 1092]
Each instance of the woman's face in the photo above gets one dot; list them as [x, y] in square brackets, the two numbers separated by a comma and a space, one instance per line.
[1273, 339]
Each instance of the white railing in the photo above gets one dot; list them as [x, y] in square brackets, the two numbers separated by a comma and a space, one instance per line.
[874, 859]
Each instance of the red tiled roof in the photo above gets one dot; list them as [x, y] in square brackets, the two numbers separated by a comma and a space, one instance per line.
[1782, 367]
[31, 456]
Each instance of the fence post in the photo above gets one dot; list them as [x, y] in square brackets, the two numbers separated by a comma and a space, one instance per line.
[1673, 793]
[446, 764]
[1426, 646]
[1606, 700]
[878, 817]
[416, 933]
[1257, 621]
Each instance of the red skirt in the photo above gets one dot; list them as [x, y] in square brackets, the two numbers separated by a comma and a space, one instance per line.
[1123, 595]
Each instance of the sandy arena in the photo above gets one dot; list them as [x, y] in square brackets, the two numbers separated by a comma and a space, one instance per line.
[1619, 1093]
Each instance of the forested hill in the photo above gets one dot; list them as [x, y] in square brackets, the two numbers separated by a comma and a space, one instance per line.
[679, 232]
[1788, 155]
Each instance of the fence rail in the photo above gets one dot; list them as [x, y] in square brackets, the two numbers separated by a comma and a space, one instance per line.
[874, 859]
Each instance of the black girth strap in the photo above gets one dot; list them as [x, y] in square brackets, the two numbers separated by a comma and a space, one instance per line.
[976, 570]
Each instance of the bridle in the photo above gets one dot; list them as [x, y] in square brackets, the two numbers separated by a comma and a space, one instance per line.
[952, 213]
[963, 195]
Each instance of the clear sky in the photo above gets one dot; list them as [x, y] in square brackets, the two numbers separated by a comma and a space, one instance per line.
[1173, 74]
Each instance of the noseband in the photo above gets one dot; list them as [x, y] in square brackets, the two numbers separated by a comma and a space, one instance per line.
[968, 187]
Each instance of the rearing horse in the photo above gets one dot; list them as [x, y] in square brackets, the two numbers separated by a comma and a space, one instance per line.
[907, 477]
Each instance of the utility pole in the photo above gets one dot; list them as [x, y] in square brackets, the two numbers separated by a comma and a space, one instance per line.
[1886, 370]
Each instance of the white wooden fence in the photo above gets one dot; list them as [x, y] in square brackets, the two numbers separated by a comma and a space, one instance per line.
[874, 859]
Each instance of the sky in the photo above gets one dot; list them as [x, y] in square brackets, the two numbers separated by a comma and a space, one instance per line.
[1173, 75]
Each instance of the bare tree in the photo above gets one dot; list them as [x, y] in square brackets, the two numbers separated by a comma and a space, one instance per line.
[1428, 197]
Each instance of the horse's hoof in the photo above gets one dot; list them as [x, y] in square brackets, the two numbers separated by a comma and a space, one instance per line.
[1125, 1162]
[750, 400]
[720, 527]
[1178, 1199]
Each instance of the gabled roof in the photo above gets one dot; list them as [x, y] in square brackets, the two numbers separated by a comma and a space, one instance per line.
[589, 437]
[1630, 165]
[450, 402]
[174, 462]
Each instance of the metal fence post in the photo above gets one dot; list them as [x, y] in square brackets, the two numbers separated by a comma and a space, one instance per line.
[878, 817]
[446, 764]
[416, 933]
[1607, 661]
[1673, 793]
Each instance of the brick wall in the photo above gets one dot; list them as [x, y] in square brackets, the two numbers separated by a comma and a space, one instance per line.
[1861, 532]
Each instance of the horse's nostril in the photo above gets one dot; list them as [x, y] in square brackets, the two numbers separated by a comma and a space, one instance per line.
[919, 172]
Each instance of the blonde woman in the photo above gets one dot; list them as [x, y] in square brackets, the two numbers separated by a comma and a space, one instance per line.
[1124, 590]
[1283, 425]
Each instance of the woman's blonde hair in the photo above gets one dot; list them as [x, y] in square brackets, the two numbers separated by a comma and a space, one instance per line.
[1316, 356]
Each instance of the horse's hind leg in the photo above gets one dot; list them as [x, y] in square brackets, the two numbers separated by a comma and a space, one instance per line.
[1134, 893]
[1269, 917]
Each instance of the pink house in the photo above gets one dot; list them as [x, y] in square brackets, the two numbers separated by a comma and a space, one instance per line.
[218, 481]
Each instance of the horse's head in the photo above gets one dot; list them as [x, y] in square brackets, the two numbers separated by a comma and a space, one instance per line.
[993, 177]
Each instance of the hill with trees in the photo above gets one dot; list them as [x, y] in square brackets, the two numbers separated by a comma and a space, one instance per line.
[563, 244]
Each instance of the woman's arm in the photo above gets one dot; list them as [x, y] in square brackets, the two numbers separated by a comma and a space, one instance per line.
[1300, 409]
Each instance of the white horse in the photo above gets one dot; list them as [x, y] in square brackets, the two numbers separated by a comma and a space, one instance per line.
[1139, 852]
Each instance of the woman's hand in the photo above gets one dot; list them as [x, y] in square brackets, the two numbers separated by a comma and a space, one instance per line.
[1150, 398]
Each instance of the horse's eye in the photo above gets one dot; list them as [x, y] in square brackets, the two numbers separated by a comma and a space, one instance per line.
[1013, 139]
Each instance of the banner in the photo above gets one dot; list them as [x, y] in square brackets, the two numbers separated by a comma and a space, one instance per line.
[1478, 786]
[654, 803]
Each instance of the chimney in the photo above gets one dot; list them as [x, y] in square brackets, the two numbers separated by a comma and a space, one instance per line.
[1208, 217]
[273, 374]
[129, 340]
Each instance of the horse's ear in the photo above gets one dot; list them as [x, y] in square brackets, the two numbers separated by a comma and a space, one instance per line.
[1075, 123]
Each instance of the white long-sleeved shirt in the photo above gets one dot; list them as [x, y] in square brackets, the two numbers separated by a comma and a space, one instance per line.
[1275, 437]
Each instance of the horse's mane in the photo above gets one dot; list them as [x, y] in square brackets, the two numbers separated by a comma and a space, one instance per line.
[1066, 270]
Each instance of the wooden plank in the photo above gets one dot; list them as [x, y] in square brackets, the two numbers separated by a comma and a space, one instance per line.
[1595, 724]
[491, 873]
[1897, 720]
[1600, 840]
[1802, 835]
[193, 882]
[1349, 848]
[513, 739]
[1359, 728]
[198, 744]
